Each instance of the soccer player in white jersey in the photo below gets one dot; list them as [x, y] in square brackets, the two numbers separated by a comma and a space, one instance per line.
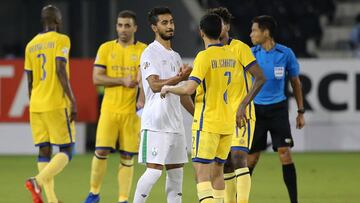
[163, 140]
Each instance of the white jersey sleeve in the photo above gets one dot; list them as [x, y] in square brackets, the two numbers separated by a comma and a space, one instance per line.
[148, 65]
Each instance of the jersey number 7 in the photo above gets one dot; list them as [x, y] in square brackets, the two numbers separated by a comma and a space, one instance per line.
[227, 74]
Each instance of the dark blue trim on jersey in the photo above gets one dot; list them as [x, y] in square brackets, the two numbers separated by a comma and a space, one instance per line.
[64, 145]
[28, 71]
[249, 133]
[237, 131]
[100, 66]
[215, 45]
[122, 152]
[197, 141]
[238, 148]
[104, 148]
[203, 107]
[59, 58]
[197, 80]
[43, 159]
[200, 160]
[250, 65]
[218, 160]
[43, 144]
[247, 91]
[68, 125]
[229, 40]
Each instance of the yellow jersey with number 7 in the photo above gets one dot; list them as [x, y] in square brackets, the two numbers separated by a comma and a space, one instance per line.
[41, 55]
[213, 71]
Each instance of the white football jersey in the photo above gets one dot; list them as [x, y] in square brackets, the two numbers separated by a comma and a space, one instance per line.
[163, 115]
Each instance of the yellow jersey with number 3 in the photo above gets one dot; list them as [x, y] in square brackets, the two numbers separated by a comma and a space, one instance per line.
[213, 71]
[119, 61]
[40, 58]
[242, 80]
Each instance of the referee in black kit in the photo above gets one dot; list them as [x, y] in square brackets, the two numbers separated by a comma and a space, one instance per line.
[277, 62]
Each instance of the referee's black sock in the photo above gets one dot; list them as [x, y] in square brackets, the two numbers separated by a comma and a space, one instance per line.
[289, 175]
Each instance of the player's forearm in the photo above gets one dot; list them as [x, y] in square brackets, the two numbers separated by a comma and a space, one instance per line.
[259, 80]
[104, 80]
[158, 84]
[64, 81]
[188, 104]
[297, 90]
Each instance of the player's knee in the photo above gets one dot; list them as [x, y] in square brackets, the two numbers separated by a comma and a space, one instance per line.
[228, 166]
[285, 155]
[68, 150]
[252, 159]
[239, 159]
[127, 162]
[102, 153]
[45, 151]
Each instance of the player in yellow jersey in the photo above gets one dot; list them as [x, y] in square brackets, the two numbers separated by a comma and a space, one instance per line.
[116, 68]
[246, 81]
[52, 103]
[213, 123]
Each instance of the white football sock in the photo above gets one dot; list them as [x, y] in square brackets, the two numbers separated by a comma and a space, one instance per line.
[145, 183]
[174, 180]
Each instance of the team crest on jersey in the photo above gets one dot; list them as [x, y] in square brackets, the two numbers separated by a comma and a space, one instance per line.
[65, 50]
[146, 65]
[163, 62]
[133, 57]
[154, 151]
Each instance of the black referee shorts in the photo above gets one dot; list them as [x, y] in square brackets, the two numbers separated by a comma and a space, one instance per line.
[275, 119]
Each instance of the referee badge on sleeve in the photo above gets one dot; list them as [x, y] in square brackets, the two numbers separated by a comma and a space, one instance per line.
[279, 72]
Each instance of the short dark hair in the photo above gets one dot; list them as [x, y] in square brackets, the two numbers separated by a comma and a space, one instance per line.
[155, 12]
[127, 14]
[211, 25]
[266, 22]
[223, 12]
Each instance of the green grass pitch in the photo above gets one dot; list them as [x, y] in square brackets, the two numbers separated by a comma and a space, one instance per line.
[322, 178]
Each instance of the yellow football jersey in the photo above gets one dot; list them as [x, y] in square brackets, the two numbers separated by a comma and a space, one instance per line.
[213, 70]
[40, 57]
[242, 80]
[119, 61]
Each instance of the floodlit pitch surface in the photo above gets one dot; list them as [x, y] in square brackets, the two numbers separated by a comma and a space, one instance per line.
[322, 178]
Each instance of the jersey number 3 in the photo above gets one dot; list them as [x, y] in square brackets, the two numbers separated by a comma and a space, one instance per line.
[227, 74]
[42, 65]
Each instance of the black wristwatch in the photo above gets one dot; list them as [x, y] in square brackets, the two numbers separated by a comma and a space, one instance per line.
[301, 111]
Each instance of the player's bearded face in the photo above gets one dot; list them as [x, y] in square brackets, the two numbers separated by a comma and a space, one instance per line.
[165, 27]
[126, 29]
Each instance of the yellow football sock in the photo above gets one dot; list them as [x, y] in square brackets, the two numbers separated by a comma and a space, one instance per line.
[54, 167]
[243, 182]
[125, 178]
[205, 192]
[218, 196]
[230, 187]
[98, 169]
[48, 185]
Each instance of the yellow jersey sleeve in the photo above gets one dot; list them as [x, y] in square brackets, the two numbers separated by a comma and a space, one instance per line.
[27, 65]
[246, 57]
[101, 56]
[201, 67]
[63, 49]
